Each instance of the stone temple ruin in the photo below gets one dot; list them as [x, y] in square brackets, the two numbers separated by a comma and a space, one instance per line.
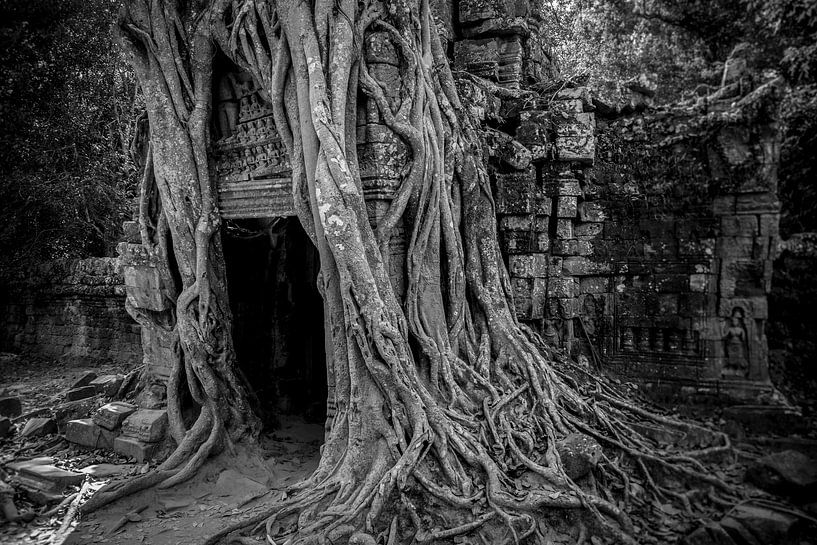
[639, 239]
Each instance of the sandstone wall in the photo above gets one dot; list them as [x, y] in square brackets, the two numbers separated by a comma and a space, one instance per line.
[69, 310]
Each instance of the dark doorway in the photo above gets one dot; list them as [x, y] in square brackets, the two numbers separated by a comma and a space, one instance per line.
[272, 271]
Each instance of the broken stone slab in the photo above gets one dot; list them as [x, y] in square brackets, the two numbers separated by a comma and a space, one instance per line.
[107, 384]
[5, 427]
[766, 525]
[787, 473]
[106, 470]
[37, 427]
[10, 406]
[45, 477]
[83, 392]
[147, 425]
[111, 415]
[579, 454]
[134, 448]
[87, 433]
[84, 380]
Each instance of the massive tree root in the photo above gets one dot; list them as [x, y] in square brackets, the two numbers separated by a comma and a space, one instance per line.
[444, 402]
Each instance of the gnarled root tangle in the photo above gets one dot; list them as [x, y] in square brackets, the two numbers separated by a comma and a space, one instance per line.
[448, 411]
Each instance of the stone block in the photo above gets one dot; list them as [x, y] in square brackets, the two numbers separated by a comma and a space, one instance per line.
[80, 393]
[529, 297]
[533, 133]
[514, 192]
[132, 447]
[147, 425]
[769, 225]
[594, 284]
[567, 187]
[475, 11]
[566, 247]
[523, 242]
[11, 406]
[42, 476]
[723, 204]
[107, 384]
[700, 283]
[84, 380]
[588, 229]
[564, 228]
[111, 415]
[143, 285]
[582, 266]
[574, 124]
[131, 233]
[592, 211]
[87, 433]
[566, 107]
[738, 226]
[528, 265]
[757, 203]
[37, 427]
[567, 207]
[563, 287]
[581, 149]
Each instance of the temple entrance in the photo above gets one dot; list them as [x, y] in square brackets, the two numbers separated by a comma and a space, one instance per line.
[278, 328]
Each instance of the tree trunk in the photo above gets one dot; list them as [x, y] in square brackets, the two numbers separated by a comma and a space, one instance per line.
[442, 399]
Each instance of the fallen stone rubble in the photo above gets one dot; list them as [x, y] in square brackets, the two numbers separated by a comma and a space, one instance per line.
[80, 438]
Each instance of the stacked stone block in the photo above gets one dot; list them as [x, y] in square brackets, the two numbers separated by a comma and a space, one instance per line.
[656, 279]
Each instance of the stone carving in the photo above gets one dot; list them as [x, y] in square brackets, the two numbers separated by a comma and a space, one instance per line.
[551, 334]
[735, 343]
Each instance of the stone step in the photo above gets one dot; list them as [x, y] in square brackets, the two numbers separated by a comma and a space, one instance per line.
[148, 425]
[112, 415]
[134, 448]
[87, 433]
[107, 384]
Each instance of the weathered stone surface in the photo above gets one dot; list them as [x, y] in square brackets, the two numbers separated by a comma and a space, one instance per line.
[132, 447]
[11, 406]
[83, 392]
[787, 473]
[71, 311]
[37, 427]
[107, 384]
[111, 415]
[84, 380]
[146, 425]
[41, 475]
[766, 525]
[87, 433]
[579, 454]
